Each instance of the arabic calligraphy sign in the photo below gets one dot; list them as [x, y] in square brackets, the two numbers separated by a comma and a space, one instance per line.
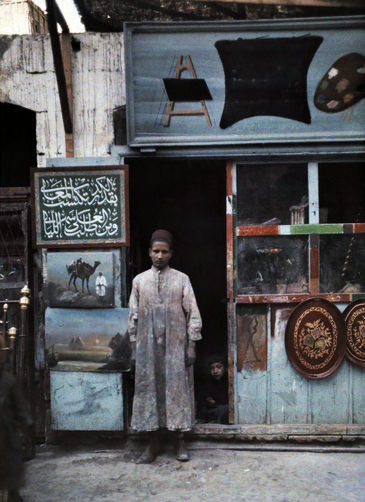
[80, 207]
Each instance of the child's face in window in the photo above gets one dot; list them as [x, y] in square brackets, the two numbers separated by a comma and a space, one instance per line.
[217, 370]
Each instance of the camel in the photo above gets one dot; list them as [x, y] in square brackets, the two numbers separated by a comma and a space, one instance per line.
[81, 270]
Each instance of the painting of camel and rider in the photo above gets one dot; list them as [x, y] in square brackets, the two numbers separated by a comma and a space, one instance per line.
[80, 279]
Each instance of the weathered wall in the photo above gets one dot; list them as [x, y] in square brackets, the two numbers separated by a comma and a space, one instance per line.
[27, 78]
[14, 18]
[274, 393]
[21, 17]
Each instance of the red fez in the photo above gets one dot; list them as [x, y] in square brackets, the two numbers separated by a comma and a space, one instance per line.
[162, 236]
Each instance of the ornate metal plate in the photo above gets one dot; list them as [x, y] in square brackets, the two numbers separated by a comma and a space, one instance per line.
[354, 316]
[315, 338]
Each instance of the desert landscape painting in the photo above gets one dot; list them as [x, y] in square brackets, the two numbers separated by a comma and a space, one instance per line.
[80, 279]
[87, 340]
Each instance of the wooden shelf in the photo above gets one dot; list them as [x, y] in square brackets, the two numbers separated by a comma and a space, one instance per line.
[326, 228]
[296, 298]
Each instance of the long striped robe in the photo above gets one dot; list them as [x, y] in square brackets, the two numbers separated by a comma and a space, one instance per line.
[163, 316]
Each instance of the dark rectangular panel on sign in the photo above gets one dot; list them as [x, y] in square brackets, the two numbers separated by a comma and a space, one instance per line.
[187, 89]
[80, 207]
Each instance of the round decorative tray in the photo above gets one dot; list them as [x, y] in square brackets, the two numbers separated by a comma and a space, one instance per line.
[315, 339]
[354, 316]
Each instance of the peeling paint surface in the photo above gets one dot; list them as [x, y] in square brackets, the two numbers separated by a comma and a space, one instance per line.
[280, 395]
[251, 342]
[27, 79]
[86, 401]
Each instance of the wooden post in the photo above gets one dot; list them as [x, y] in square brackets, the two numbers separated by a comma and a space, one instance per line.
[62, 57]
[230, 294]
[66, 56]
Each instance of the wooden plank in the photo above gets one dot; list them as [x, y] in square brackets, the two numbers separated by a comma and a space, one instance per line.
[298, 3]
[313, 192]
[289, 397]
[229, 230]
[243, 444]
[186, 112]
[230, 291]
[330, 397]
[306, 229]
[314, 264]
[66, 57]
[251, 341]
[252, 352]
[258, 230]
[358, 394]
[359, 228]
[251, 397]
[296, 298]
[289, 429]
[328, 228]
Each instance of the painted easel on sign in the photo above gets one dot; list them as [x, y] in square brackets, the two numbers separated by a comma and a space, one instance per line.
[179, 69]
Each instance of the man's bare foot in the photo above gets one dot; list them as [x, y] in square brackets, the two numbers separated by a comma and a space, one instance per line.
[151, 452]
[182, 453]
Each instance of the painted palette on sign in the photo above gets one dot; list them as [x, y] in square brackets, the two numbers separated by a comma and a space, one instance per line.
[80, 207]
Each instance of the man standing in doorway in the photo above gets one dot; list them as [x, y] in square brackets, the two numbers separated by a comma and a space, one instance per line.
[164, 324]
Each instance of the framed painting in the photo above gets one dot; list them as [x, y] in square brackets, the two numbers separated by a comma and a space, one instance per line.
[80, 207]
[82, 279]
[87, 339]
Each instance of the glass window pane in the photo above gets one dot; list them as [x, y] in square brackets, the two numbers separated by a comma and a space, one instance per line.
[341, 193]
[272, 194]
[342, 265]
[11, 269]
[272, 265]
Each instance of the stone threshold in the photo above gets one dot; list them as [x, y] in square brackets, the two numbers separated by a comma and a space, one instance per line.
[300, 433]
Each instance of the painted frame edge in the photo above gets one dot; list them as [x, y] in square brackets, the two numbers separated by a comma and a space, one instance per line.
[130, 28]
[251, 24]
[85, 245]
[276, 153]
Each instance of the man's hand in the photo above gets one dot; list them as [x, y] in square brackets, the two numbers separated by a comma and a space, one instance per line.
[190, 353]
[133, 355]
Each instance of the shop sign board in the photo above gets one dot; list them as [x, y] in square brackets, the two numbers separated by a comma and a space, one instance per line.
[247, 82]
[80, 207]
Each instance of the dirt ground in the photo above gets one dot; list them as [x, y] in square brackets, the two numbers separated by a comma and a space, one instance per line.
[213, 474]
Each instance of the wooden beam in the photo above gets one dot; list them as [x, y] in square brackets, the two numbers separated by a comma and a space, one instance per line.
[298, 3]
[62, 64]
[66, 57]
[298, 297]
[314, 264]
[230, 292]
[60, 19]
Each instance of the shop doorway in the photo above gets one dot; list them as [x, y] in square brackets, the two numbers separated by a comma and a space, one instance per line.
[186, 197]
[18, 148]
